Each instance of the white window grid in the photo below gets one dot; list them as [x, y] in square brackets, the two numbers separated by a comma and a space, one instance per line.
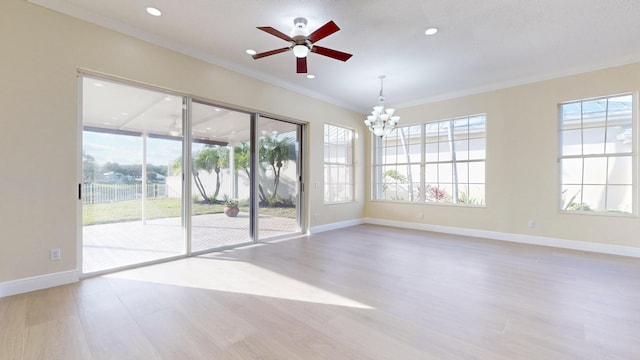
[338, 164]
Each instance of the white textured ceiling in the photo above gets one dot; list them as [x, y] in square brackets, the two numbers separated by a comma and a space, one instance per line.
[481, 45]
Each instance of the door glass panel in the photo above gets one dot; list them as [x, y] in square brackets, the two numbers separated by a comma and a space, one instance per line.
[131, 210]
[220, 181]
[278, 182]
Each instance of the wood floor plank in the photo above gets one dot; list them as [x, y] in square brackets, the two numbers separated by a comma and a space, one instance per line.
[51, 304]
[206, 311]
[175, 337]
[110, 330]
[363, 292]
[61, 339]
[281, 322]
[12, 326]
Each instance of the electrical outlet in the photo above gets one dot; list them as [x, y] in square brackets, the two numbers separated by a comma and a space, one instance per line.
[56, 254]
[531, 224]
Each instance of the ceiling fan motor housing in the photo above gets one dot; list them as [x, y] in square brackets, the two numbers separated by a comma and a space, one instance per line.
[300, 31]
[300, 22]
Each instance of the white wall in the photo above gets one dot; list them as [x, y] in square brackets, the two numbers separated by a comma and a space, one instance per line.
[521, 167]
[42, 52]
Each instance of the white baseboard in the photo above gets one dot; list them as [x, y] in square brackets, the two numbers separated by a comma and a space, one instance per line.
[518, 238]
[335, 226]
[20, 286]
[25, 285]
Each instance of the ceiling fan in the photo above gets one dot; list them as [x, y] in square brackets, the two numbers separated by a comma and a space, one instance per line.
[302, 43]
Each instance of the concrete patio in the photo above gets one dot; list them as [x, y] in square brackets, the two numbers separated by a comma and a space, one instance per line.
[108, 246]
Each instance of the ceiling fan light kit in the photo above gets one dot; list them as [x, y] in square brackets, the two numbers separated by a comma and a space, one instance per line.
[300, 51]
[381, 121]
[302, 43]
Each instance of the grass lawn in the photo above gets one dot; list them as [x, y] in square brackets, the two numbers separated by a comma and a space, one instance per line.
[131, 210]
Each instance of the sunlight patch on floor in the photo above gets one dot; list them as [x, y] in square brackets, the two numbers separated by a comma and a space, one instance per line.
[237, 277]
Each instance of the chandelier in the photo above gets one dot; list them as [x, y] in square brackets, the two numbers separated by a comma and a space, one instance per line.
[381, 121]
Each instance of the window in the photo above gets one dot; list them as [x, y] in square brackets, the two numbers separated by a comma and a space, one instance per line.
[455, 152]
[596, 155]
[338, 164]
[440, 162]
[397, 164]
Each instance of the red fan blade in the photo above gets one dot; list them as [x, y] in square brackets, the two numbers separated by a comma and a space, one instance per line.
[301, 65]
[272, 52]
[275, 33]
[323, 31]
[339, 55]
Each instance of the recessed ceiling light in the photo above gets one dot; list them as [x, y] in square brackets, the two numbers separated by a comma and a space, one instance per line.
[98, 84]
[311, 76]
[431, 31]
[251, 52]
[153, 11]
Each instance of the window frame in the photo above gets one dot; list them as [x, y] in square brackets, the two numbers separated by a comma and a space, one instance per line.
[632, 154]
[454, 161]
[378, 164]
[348, 165]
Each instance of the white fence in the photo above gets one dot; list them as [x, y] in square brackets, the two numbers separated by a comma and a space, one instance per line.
[93, 193]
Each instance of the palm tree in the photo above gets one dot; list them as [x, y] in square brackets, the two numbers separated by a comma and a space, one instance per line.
[275, 153]
[176, 168]
[242, 158]
[211, 158]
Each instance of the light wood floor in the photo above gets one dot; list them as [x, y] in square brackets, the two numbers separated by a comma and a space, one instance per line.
[365, 292]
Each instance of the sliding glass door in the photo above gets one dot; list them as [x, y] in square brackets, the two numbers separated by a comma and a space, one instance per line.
[220, 179]
[279, 178]
[165, 176]
[131, 183]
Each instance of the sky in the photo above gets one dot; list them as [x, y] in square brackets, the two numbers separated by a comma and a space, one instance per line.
[127, 150]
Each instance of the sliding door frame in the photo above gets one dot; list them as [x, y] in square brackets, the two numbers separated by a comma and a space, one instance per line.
[187, 171]
[301, 170]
